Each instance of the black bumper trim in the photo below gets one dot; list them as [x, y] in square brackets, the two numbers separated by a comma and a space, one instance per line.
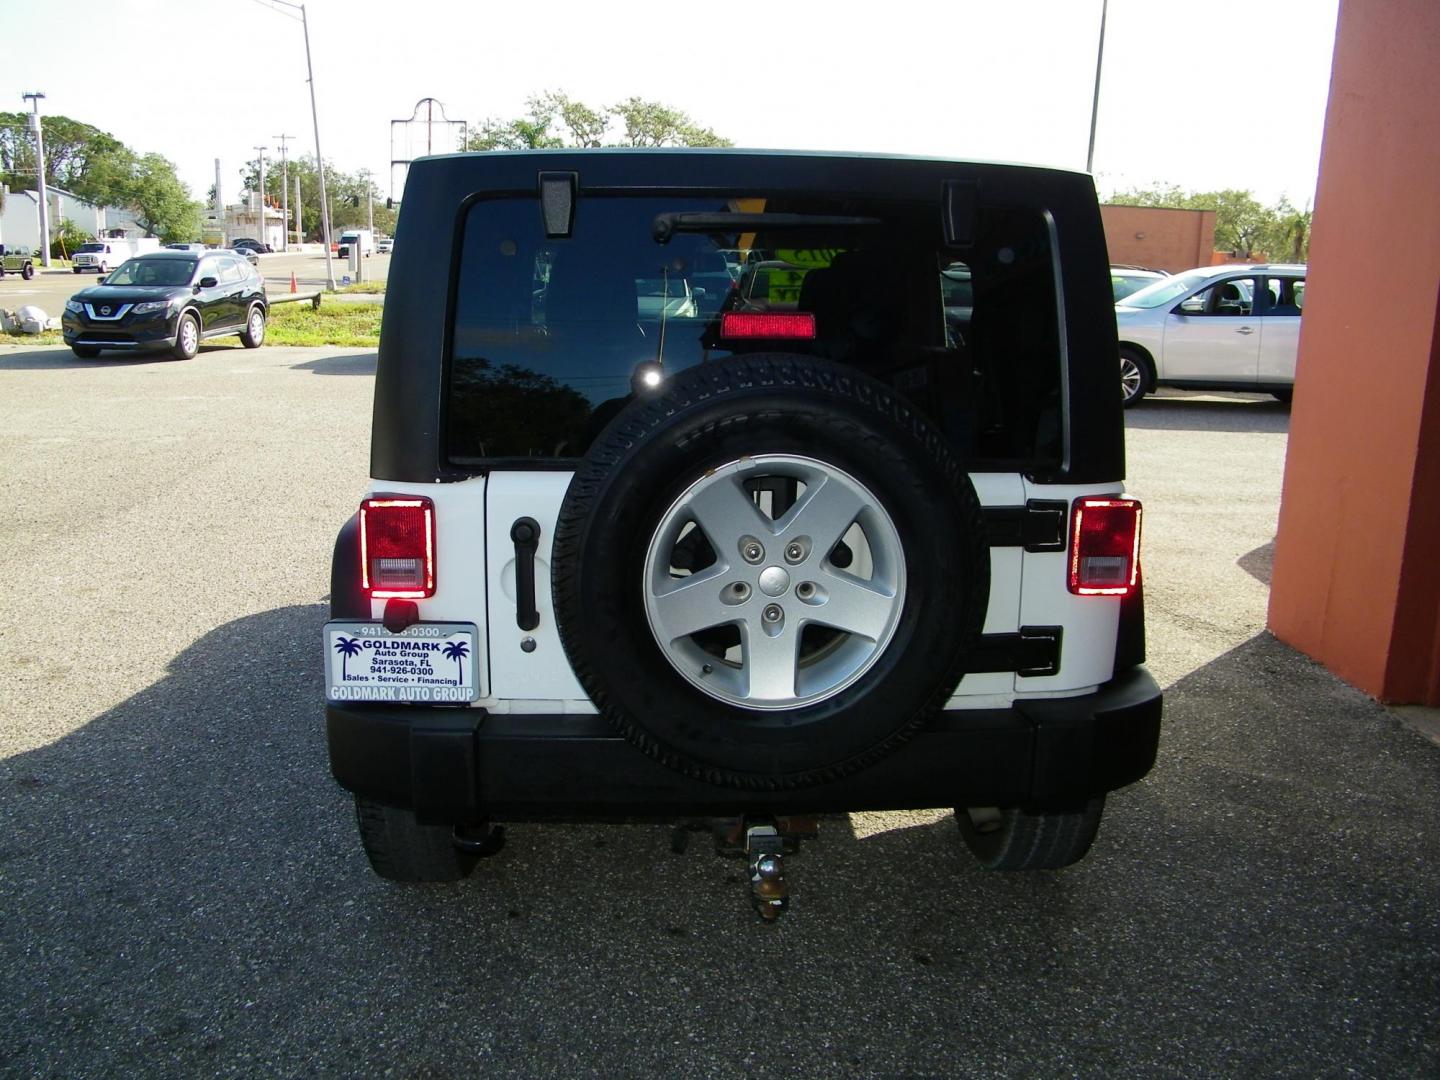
[453, 765]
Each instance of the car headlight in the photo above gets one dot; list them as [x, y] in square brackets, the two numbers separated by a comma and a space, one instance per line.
[75, 306]
[152, 305]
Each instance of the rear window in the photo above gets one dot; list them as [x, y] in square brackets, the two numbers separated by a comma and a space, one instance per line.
[548, 334]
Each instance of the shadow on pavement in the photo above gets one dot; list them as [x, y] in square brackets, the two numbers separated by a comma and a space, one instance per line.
[348, 364]
[183, 893]
[1259, 563]
[1208, 413]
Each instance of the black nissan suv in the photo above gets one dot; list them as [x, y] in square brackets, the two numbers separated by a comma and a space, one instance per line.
[168, 300]
[647, 540]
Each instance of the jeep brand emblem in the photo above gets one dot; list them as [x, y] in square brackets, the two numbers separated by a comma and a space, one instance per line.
[104, 311]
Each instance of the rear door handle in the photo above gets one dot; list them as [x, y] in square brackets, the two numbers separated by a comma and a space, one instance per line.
[1244, 330]
[526, 535]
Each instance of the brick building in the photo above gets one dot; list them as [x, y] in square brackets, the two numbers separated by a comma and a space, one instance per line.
[1160, 238]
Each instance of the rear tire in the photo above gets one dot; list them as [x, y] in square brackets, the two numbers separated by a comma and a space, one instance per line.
[401, 849]
[28, 271]
[85, 352]
[1013, 838]
[253, 336]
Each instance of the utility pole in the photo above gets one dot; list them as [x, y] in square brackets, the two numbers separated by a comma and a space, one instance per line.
[285, 191]
[34, 97]
[261, 237]
[369, 203]
[299, 213]
[1095, 104]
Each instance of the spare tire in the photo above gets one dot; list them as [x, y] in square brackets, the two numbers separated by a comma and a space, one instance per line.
[767, 572]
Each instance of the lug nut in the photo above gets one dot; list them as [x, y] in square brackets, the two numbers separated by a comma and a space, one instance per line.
[805, 590]
[773, 614]
[794, 551]
[752, 551]
[739, 590]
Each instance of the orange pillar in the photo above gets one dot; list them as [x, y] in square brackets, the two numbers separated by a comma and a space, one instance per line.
[1357, 556]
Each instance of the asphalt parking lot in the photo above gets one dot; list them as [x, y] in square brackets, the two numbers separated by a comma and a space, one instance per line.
[182, 892]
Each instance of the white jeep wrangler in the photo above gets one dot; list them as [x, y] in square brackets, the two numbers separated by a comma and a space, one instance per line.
[807, 537]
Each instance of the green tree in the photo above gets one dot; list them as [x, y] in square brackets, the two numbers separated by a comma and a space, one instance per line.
[66, 237]
[554, 119]
[79, 157]
[161, 203]
[345, 193]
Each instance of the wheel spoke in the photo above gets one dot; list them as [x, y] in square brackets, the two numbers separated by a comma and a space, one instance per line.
[824, 513]
[855, 607]
[690, 605]
[770, 664]
[726, 512]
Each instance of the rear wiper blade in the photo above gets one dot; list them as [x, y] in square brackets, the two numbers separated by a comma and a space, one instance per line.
[667, 225]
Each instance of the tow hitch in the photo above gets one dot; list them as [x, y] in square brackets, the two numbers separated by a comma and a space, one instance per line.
[763, 843]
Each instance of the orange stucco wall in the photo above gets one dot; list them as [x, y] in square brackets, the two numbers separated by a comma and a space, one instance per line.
[1357, 556]
[1159, 237]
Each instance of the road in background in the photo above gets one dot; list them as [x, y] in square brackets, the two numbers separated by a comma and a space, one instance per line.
[182, 891]
[49, 289]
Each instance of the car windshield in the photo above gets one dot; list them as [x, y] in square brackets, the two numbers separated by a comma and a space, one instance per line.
[90, 247]
[1167, 289]
[153, 272]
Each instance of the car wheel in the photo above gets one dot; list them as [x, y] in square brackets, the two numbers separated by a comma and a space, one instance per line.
[254, 333]
[28, 271]
[104, 269]
[77, 270]
[187, 338]
[767, 575]
[1014, 838]
[85, 352]
[1135, 378]
[401, 849]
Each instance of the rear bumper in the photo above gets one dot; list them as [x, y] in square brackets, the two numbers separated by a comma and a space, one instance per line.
[453, 765]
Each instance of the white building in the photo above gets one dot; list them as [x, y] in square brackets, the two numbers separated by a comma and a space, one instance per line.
[20, 218]
[244, 220]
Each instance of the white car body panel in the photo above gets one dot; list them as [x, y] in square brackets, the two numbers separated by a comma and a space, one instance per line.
[1211, 348]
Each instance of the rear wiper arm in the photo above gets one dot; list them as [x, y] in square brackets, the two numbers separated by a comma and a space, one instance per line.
[667, 225]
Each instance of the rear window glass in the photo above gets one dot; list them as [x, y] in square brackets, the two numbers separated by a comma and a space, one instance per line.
[548, 334]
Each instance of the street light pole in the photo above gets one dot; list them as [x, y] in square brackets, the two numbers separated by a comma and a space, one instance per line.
[261, 237]
[284, 191]
[34, 97]
[1095, 103]
[319, 157]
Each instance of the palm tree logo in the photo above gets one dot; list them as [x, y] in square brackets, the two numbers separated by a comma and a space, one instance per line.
[457, 651]
[346, 647]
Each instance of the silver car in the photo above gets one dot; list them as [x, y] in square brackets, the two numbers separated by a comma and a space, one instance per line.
[1231, 327]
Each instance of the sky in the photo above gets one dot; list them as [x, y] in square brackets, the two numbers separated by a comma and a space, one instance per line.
[1187, 97]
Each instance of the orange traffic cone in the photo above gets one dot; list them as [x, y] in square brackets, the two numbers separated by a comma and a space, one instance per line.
[294, 285]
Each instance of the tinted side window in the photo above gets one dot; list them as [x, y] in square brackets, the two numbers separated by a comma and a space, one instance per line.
[548, 333]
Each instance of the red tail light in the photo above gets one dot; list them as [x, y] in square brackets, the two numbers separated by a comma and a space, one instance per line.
[1104, 547]
[397, 547]
[761, 324]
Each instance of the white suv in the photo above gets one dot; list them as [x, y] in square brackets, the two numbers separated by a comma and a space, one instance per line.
[1215, 328]
[640, 547]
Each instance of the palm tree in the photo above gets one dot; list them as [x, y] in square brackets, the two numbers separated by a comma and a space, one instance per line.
[346, 647]
[457, 651]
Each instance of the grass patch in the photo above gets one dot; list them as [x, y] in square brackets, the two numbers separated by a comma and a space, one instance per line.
[45, 337]
[332, 324]
[362, 287]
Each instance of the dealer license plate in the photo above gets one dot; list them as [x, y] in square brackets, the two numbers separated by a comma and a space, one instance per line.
[432, 663]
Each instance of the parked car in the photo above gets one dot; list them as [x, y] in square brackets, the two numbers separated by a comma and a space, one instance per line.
[17, 259]
[187, 247]
[1213, 328]
[385, 245]
[249, 254]
[624, 556]
[1125, 280]
[168, 300]
[256, 246]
